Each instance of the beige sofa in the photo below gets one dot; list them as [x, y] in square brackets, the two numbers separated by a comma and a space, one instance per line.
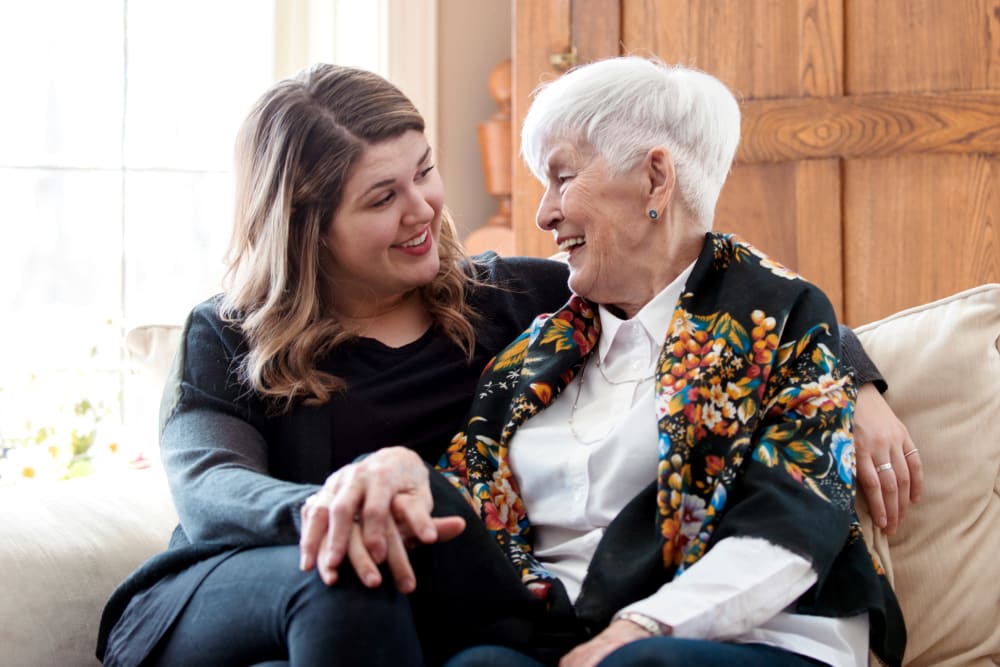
[65, 546]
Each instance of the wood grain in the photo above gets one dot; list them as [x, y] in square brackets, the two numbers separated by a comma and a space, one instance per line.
[792, 212]
[905, 46]
[540, 29]
[867, 126]
[918, 228]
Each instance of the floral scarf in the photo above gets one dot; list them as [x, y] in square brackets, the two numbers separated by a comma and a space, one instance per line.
[753, 411]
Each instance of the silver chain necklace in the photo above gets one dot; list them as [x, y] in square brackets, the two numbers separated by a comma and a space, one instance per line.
[579, 391]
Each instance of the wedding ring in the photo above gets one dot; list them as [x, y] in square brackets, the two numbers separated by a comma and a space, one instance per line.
[912, 451]
[882, 467]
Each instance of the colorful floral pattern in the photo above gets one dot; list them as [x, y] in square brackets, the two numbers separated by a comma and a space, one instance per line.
[737, 390]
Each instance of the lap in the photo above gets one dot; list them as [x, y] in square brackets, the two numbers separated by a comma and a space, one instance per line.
[652, 652]
[677, 652]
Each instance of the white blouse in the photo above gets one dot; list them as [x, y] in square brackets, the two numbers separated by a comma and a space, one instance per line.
[582, 459]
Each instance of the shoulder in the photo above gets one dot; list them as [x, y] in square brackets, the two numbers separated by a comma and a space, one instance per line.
[498, 271]
[525, 284]
[765, 278]
[735, 276]
[210, 345]
[510, 292]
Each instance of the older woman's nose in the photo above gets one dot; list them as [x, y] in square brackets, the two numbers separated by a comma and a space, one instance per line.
[549, 214]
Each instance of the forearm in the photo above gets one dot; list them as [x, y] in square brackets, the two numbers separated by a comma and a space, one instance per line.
[738, 585]
[216, 465]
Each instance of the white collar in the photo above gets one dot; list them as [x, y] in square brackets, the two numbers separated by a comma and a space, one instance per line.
[654, 317]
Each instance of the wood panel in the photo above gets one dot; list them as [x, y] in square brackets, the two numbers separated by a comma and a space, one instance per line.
[914, 235]
[869, 135]
[769, 53]
[900, 46]
[540, 29]
[863, 126]
[745, 43]
[919, 227]
[590, 29]
[801, 230]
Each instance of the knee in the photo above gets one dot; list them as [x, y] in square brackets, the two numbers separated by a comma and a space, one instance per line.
[491, 656]
[348, 600]
[652, 652]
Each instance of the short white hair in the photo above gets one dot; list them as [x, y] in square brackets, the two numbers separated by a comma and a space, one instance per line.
[623, 107]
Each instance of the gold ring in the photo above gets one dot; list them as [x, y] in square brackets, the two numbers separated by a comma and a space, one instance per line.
[882, 467]
[912, 451]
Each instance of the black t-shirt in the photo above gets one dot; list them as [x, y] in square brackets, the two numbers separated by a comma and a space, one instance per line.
[239, 472]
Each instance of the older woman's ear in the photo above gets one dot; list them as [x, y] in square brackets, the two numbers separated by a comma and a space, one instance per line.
[662, 178]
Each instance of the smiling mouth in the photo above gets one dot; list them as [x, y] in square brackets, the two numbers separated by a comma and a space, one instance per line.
[569, 244]
[415, 241]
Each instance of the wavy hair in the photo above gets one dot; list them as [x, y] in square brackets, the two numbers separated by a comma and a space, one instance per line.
[294, 153]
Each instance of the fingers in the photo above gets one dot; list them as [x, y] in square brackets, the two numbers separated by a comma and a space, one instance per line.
[376, 522]
[449, 527]
[871, 486]
[398, 560]
[915, 466]
[900, 475]
[361, 560]
[314, 528]
[413, 516]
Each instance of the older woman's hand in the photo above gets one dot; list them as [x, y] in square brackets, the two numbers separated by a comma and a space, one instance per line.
[368, 511]
[613, 637]
[880, 439]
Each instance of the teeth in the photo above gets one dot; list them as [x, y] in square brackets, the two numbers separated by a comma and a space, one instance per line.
[415, 242]
[571, 243]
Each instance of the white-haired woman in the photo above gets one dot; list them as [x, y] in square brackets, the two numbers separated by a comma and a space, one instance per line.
[680, 433]
[667, 460]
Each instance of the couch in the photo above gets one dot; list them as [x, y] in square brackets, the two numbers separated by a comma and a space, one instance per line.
[65, 546]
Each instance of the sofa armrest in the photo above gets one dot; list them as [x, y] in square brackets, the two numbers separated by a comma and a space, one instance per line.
[65, 546]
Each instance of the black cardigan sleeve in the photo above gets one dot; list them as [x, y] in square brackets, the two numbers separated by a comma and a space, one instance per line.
[215, 457]
[860, 365]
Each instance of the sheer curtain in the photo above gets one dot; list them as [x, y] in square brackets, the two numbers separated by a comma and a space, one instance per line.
[116, 135]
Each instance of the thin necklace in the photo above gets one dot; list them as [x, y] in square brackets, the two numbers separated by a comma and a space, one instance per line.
[579, 391]
[600, 367]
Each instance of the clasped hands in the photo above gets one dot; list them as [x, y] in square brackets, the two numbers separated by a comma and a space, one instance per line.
[370, 512]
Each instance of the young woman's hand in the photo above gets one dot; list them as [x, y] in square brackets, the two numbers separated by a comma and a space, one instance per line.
[370, 512]
[880, 439]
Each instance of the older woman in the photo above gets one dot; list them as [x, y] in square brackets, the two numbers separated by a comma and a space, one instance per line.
[667, 460]
[684, 413]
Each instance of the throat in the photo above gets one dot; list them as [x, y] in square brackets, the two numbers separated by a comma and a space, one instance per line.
[394, 325]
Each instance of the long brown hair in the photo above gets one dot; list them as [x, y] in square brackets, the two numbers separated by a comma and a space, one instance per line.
[294, 153]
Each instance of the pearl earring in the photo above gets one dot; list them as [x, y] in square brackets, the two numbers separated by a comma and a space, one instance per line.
[653, 214]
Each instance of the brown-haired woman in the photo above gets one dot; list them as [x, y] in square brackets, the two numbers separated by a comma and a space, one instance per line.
[351, 322]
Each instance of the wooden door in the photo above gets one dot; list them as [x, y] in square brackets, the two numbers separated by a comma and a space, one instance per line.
[869, 132]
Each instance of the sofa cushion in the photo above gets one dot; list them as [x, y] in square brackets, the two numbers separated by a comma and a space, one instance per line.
[942, 363]
[65, 547]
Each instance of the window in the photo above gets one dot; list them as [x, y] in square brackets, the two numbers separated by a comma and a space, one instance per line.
[117, 130]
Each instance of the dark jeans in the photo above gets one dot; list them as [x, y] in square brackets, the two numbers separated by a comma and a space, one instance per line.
[652, 652]
[258, 606]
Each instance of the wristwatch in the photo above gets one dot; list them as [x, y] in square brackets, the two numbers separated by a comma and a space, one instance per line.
[647, 623]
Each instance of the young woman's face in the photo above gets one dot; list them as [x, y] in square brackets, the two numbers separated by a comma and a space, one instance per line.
[383, 240]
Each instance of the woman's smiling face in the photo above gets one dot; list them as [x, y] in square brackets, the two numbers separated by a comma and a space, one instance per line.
[600, 218]
[383, 239]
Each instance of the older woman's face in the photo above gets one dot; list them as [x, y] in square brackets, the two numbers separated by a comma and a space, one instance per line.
[601, 220]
